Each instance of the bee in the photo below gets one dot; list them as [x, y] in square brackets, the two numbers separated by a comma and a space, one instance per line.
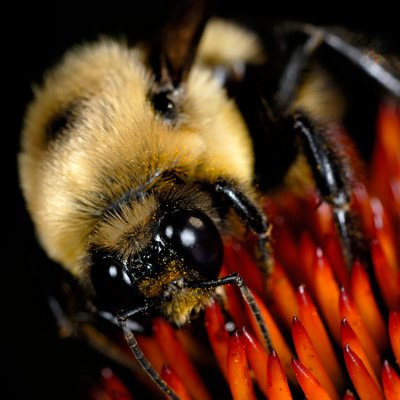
[131, 181]
[137, 162]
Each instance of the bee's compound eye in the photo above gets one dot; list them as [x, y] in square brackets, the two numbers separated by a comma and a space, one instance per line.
[195, 238]
[114, 290]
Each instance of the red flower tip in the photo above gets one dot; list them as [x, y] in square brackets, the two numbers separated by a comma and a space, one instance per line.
[217, 334]
[309, 357]
[384, 230]
[239, 378]
[348, 395]
[172, 379]
[390, 382]
[309, 384]
[278, 387]
[315, 328]
[350, 339]
[327, 291]
[277, 337]
[349, 311]
[366, 387]
[257, 357]
[176, 355]
[394, 333]
[324, 220]
[110, 387]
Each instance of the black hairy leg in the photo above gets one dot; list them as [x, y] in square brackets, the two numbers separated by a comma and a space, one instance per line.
[227, 195]
[330, 172]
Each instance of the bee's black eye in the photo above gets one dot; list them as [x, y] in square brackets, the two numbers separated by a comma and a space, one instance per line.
[114, 290]
[163, 104]
[196, 239]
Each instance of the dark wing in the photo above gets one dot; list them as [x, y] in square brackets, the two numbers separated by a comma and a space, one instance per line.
[362, 67]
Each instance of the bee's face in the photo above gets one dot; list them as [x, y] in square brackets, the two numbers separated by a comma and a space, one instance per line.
[93, 135]
[119, 171]
[184, 247]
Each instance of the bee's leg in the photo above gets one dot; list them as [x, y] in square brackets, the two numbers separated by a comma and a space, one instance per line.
[81, 327]
[236, 279]
[293, 73]
[331, 178]
[251, 216]
[365, 61]
[137, 352]
[66, 328]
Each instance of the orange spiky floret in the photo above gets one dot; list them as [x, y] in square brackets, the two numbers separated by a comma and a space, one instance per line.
[327, 292]
[177, 357]
[257, 357]
[310, 385]
[278, 387]
[349, 311]
[109, 387]
[394, 333]
[315, 328]
[310, 359]
[390, 382]
[171, 378]
[239, 378]
[349, 338]
[365, 385]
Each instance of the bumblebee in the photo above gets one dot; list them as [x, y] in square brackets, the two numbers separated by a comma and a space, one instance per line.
[131, 181]
[137, 162]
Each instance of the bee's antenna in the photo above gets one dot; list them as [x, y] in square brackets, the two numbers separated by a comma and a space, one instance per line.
[140, 357]
[236, 279]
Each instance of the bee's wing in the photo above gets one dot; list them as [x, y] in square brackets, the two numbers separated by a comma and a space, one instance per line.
[363, 56]
[336, 48]
[354, 65]
[173, 53]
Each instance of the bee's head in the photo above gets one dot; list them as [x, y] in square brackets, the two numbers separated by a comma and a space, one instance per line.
[185, 248]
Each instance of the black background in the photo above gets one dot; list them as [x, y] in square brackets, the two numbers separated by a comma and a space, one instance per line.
[35, 363]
